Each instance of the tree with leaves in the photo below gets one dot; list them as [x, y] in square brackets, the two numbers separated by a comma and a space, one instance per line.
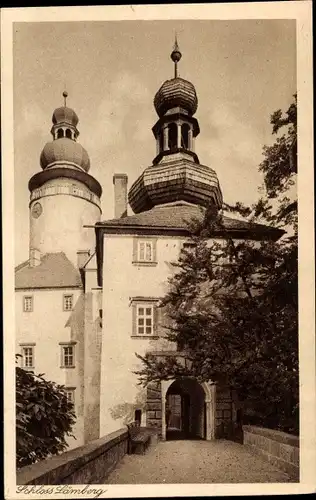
[44, 418]
[234, 304]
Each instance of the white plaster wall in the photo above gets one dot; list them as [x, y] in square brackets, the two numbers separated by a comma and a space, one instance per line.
[60, 227]
[92, 353]
[46, 326]
[122, 281]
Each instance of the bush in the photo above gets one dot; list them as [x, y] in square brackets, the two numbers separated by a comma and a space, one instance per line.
[44, 417]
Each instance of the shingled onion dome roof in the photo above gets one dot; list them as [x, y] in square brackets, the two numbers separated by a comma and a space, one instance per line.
[65, 115]
[176, 93]
[65, 150]
[177, 180]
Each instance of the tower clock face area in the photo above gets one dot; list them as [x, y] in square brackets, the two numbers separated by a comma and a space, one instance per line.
[37, 209]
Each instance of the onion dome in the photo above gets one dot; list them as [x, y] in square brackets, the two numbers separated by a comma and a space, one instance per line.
[65, 150]
[176, 93]
[65, 115]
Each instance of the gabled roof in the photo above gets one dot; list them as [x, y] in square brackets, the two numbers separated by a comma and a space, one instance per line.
[54, 271]
[176, 217]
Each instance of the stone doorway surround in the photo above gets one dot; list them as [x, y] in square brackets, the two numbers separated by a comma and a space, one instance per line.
[209, 389]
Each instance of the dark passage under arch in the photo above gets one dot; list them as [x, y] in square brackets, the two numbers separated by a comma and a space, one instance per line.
[185, 410]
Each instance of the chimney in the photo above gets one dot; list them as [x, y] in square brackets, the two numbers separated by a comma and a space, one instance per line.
[82, 257]
[120, 195]
[35, 257]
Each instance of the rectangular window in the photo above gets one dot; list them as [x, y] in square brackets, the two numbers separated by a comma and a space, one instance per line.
[145, 251]
[28, 356]
[67, 356]
[28, 303]
[189, 245]
[145, 320]
[144, 317]
[68, 302]
[70, 394]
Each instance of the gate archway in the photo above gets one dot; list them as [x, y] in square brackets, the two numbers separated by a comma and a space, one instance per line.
[187, 410]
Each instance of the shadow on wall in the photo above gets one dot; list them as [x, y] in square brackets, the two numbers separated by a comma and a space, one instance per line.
[126, 411]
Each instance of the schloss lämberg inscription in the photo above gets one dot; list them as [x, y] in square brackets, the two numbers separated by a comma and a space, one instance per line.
[65, 489]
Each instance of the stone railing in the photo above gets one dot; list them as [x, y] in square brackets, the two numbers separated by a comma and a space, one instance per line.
[87, 464]
[278, 448]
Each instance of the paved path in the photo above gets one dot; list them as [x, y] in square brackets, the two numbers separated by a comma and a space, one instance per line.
[217, 461]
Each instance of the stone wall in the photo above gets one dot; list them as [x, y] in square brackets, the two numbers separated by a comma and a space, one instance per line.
[154, 406]
[88, 464]
[224, 412]
[278, 448]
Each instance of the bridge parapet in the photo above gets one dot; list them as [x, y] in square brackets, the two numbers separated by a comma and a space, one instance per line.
[87, 464]
[278, 448]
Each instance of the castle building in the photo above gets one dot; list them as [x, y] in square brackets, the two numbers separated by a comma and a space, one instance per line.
[90, 291]
[56, 288]
[134, 255]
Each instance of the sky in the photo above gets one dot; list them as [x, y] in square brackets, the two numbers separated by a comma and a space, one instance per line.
[243, 70]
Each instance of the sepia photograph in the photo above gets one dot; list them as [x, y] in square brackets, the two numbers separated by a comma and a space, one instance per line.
[156, 335]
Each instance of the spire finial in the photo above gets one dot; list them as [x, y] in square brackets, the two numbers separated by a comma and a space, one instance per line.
[65, 95]
[176, 56]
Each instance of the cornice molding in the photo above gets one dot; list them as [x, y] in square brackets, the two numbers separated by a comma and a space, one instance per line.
[55, 173]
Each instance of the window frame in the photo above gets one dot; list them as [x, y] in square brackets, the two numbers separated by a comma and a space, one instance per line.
[147, 318]
[137, 242]
[63, 346]
[145, 303]
[188, 246]
[25, 298]
[28, 345]
[65, 296]
[72, 391]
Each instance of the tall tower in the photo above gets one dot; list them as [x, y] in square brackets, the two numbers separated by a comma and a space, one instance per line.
[64, 197]
[176, 174]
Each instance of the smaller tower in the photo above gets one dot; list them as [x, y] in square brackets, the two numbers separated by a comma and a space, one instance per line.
[176, 174]
[176, 102]
[64, 196]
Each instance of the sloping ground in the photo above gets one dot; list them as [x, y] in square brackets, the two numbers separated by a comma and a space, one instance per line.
[196, 461]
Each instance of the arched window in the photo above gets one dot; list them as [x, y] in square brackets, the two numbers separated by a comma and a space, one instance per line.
[68, 133]
[185, 136]
[60, 133]
[138, 417]
[173, 132]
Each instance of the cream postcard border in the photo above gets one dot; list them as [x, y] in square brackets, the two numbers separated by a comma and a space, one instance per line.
[299, 10]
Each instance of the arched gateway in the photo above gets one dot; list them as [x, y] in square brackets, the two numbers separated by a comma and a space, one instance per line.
[188, 409]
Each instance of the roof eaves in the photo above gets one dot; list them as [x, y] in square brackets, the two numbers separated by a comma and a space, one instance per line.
[125, 228]
[145, 226]
[52, 287]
